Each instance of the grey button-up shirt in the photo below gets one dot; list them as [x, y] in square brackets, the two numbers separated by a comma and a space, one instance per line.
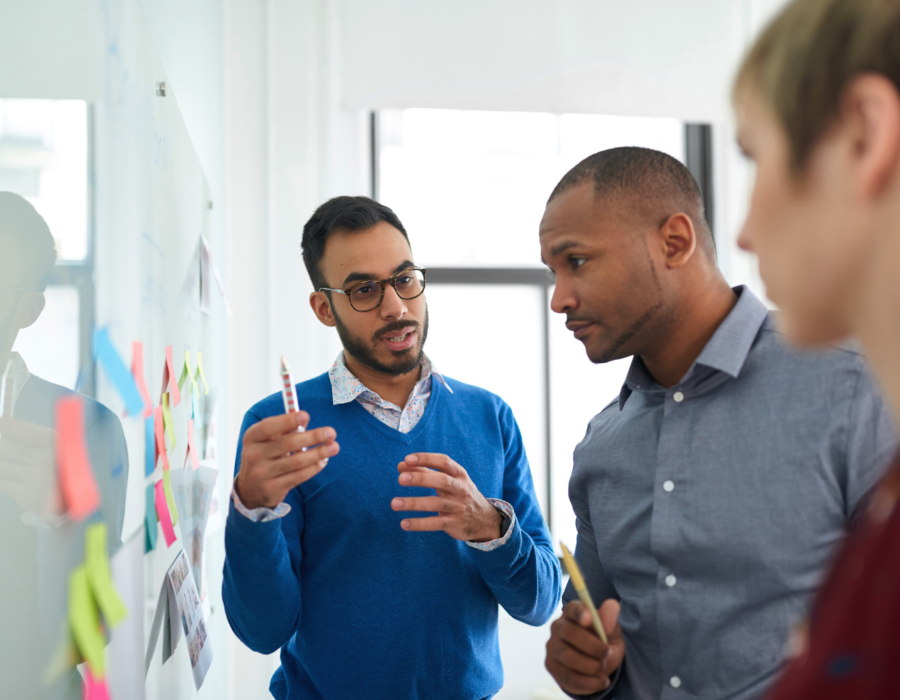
[711, 509]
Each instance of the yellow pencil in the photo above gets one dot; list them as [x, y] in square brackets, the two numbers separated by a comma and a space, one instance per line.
[578, 582]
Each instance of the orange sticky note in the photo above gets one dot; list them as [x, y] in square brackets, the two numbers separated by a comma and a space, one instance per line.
[170, 381]
[191, 450]
[162, 510]
[76, 478]
[94, 689]
[160, 436]
[137, 370]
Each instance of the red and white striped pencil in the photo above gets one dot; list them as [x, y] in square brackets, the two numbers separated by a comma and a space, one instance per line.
[288, 393]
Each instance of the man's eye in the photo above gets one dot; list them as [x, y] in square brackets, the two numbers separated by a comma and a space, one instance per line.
[364, 290]
[575, 263]
[404, 282]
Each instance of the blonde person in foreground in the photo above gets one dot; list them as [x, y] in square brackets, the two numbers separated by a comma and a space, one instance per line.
[818, 110]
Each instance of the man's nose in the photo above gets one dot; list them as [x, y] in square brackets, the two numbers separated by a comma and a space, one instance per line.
[563, 299]
[392, 306]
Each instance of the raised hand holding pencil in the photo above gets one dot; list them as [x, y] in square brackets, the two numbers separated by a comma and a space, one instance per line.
[278, 453]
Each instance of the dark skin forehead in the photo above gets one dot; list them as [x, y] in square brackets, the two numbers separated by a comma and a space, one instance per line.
[577, 216]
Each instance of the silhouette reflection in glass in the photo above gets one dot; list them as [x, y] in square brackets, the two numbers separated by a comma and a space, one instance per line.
[39, 544]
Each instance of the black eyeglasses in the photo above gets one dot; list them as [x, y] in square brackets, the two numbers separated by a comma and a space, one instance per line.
[367, 296]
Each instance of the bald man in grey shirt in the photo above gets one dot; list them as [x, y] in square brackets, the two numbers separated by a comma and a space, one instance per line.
[711, 494]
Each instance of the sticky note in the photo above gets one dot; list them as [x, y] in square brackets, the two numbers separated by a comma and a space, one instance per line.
[160, 438]
[150, 520]
[84, 621]
[169, 383]
[162, 510]
[76, 477]
[94, 689]
[117, 372]
[201, 373]
[167, 421]
[191, 451]
[96, 564]
[186, 372]
[149, 444]
[137, 371]
[170, 497]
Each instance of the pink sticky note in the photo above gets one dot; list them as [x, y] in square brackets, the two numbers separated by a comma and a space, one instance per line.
[137, 370]
[170, 379]
[160, 436]
[191, 449]
[162, 510]
[76, 477]
[94, 689]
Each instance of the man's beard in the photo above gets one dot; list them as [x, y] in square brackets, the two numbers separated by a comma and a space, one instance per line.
[405, 362]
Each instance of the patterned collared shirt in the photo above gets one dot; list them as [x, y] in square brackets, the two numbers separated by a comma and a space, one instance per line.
[346, 387]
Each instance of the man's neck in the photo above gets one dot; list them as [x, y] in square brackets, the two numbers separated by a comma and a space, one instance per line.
[698, 317]
[395, 389]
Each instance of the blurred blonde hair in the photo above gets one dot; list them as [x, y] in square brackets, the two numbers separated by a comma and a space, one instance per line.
[807, 55]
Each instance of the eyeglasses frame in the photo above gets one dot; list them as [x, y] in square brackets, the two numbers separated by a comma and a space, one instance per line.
[383, 284]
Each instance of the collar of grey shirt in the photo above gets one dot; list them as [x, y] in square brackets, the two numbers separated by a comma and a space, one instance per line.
[726, 351]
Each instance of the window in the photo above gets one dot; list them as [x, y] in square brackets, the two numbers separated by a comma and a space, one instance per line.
[471, 188]
[45, 158]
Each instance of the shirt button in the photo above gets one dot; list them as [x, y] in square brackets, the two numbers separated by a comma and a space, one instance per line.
[678, 396]
[668, 486]
[675, 682]
[671, 580]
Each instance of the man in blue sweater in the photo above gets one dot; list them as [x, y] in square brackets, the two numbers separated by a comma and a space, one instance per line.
[325, 555]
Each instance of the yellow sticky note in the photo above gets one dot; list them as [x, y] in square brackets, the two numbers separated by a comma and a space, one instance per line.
[84, 621]
[170, 497]
[96, 563]
[201, 373]
[167, 421]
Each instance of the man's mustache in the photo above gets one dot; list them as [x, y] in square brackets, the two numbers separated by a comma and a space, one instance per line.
[394, 327]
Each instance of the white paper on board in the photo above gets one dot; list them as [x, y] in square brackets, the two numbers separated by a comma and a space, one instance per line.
[186, 613]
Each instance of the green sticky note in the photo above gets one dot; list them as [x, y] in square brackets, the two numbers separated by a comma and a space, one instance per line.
[150, 519]
[170, 497]
[84, 621]
[167, 421]
[96, 564]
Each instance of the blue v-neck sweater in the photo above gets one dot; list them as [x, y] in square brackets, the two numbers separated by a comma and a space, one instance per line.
[363, 609]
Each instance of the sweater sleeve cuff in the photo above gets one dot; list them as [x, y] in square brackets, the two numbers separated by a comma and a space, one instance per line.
[261, 514]
[506, 510]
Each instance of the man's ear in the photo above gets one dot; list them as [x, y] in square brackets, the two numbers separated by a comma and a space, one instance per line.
[679, 239]
[321, 306]
[30, 307]
[870, 111]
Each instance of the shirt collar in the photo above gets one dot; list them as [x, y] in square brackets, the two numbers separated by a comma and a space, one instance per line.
[346, 387]
[18, 370]
[726, 351]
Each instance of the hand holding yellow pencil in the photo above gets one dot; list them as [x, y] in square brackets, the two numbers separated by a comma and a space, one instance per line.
[581, 589]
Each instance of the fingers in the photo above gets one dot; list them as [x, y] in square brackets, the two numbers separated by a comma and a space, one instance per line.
[26, 432]
[429, 479]
[299, 476]
[432, 524]
[293, 442]
[302, 460]
[430, 504]
[576, 658]
[274, 426]
[435, 461]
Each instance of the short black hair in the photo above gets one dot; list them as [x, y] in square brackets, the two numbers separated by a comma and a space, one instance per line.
[21, 224]
[341, 214]
[654, 181]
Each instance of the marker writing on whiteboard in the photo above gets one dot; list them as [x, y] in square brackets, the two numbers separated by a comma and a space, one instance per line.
[288, 393]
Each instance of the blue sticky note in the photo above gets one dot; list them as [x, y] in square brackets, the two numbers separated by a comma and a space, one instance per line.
[117, 372]
[149, 446]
